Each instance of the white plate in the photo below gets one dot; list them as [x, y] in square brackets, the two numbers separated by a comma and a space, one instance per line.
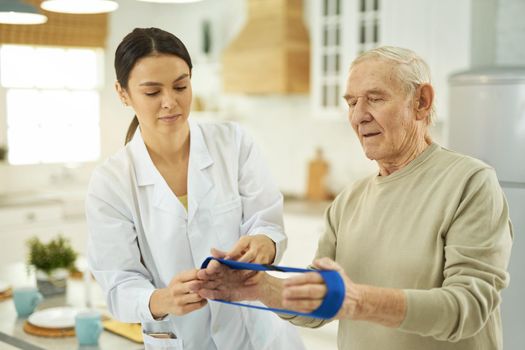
[55, 317]
[4, 286]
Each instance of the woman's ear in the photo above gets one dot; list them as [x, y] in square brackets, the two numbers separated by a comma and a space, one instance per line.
[122, 94]
[424, 101]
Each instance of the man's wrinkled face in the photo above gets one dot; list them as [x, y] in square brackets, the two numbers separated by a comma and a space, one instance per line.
[380, 111]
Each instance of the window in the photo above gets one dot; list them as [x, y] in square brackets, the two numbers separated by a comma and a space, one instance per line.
[52, 103]
[331, 53]
[368, 24]
[341, 30]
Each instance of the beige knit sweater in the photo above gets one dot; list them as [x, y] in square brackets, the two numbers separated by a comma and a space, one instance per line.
[439, 229]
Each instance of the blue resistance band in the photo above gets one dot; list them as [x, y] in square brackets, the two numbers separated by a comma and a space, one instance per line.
[332, 301]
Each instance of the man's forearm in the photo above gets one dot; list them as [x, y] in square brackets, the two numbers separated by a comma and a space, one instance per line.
[386, 306]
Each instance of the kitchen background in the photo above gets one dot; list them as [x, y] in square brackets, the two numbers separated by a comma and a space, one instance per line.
[288, 123]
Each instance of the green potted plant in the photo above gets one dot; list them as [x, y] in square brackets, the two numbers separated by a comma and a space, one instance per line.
[3, 153]
[52, 261]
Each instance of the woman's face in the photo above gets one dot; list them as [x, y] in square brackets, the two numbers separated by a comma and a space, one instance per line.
[159, 90]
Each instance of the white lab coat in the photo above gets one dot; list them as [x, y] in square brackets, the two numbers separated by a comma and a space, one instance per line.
[230, 194]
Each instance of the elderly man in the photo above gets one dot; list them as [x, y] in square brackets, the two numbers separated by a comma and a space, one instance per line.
[422, 245]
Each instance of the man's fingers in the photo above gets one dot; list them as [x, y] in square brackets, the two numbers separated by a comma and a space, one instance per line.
[307, 291]
[212, 294]
[305, 278]
[301, 305]
[327, 264]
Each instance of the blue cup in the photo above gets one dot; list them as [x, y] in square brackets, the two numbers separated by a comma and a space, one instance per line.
[88, 326]
[26, 300]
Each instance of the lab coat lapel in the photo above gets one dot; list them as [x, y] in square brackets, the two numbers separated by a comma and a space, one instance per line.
[199, 174]
[147, 175]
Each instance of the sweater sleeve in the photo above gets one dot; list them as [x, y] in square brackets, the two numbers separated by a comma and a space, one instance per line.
[477, 252]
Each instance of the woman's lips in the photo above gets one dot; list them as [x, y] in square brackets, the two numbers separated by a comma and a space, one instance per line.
[170, 118]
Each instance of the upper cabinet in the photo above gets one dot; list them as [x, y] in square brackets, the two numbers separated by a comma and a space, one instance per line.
[450, 35]
[340, 30]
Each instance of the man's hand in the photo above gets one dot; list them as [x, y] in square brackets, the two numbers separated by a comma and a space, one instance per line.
[305, 293]
[220, 282]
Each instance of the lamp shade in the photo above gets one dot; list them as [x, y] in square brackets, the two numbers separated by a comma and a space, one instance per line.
[18, 12]
[80, 6]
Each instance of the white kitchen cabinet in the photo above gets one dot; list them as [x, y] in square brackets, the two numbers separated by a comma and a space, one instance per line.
[46, 220]
[450, 35]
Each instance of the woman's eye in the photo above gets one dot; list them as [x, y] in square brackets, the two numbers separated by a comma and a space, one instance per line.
[180, 88]
[151, 93]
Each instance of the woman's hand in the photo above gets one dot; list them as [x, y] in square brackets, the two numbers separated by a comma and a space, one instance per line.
[179, 297]
[305, 293]
[258, 249]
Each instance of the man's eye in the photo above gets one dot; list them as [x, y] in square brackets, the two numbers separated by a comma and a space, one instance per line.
[151, 93]
[352, 103]
[180, 88]
[375, 99]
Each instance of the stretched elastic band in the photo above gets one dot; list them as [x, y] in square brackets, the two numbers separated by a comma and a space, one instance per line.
[330, 305]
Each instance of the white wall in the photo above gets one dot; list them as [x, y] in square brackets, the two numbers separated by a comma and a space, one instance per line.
[511, 33]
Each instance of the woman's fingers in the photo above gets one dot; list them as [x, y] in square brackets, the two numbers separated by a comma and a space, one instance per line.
[186, 276]
[192, 307]
[216, 253]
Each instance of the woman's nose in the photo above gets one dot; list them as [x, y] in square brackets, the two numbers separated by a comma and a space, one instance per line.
[169, 101]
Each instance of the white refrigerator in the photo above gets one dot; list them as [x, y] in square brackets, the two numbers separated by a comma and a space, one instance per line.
[487, 121]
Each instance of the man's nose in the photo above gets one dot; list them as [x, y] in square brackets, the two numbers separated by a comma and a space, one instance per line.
[360, 112]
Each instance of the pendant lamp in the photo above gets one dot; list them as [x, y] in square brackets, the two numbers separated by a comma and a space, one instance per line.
[79, 6]
[18, 12]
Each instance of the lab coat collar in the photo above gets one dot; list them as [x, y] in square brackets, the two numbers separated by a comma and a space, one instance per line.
[199, 179]
[199, 176]
[145, 170]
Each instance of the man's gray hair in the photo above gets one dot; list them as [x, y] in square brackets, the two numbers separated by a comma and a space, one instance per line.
[412, 70]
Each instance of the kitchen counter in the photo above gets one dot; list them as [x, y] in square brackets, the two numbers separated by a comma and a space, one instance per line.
[12, 327]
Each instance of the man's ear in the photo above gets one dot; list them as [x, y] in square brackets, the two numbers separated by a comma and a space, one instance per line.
[424, 101]
[123, 95]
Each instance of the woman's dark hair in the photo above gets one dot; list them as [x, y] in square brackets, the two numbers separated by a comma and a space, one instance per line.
[140, 43]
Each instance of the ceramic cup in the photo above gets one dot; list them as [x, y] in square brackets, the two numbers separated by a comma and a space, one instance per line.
[26, 300]
[88, 326]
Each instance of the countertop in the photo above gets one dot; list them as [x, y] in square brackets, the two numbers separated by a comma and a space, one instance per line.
[12, 327]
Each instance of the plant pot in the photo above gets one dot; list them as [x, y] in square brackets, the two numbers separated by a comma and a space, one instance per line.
[53, 283]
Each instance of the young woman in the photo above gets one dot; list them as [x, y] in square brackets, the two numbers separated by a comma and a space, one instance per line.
[177, 190]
